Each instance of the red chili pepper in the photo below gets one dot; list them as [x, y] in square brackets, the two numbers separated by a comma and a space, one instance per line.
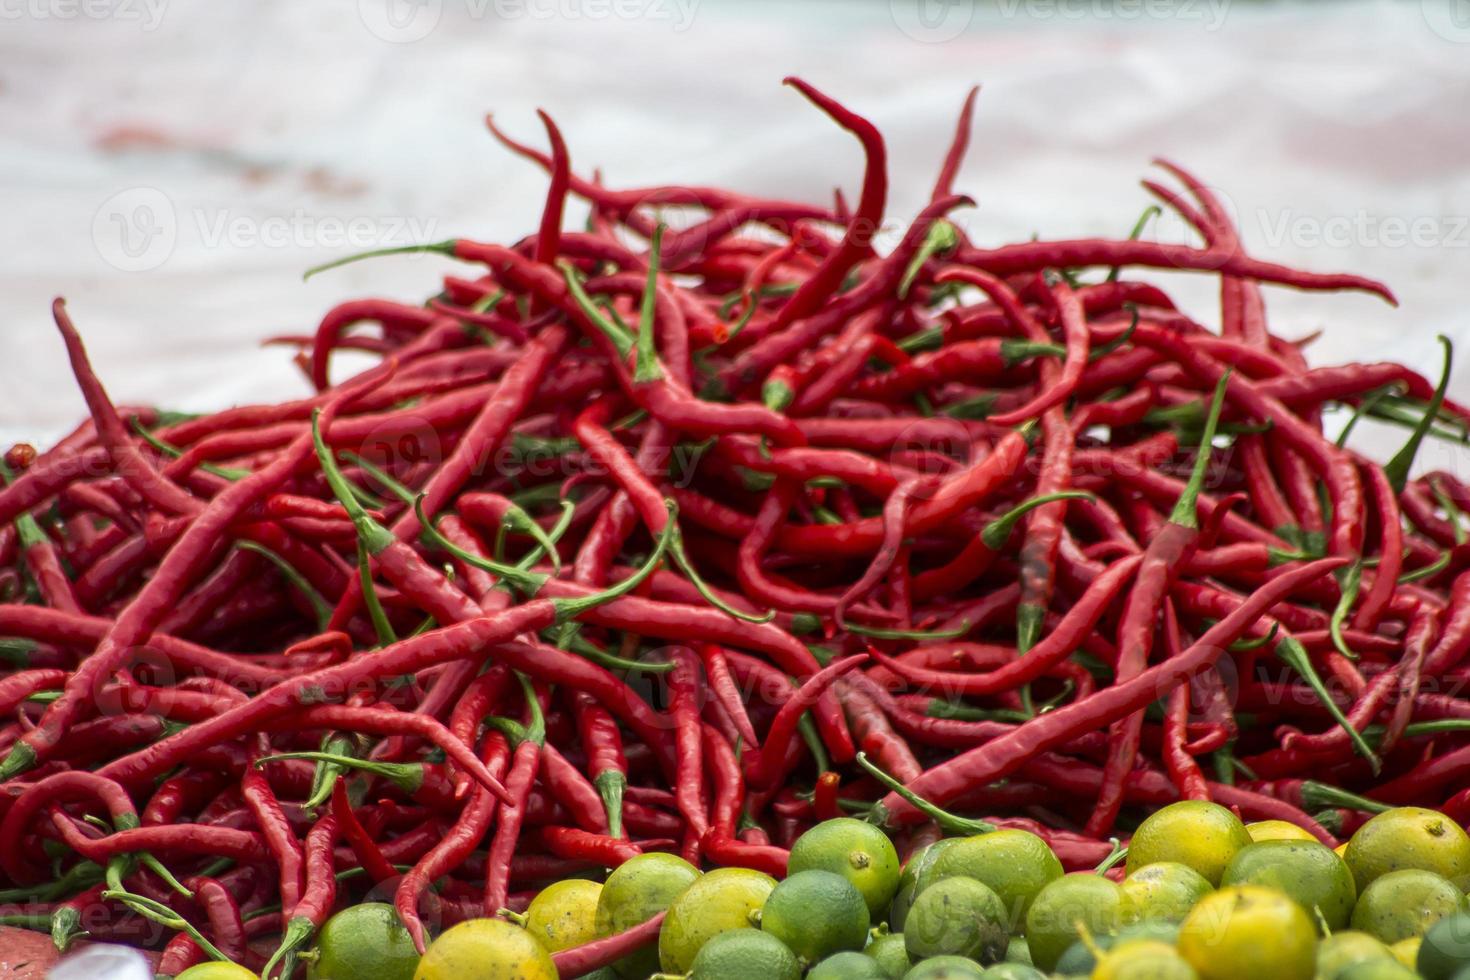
[1181, 765]
[1003, 755]
[407, 656]
[318, 895]
[181, 566]
[579, 845]
[602, 743]
[377, 866]
[593, 956]
[524, 765]
[1161, 563]
[685, 702]
[857, 241]
[824, 797]
[768, 767]
[450, 850]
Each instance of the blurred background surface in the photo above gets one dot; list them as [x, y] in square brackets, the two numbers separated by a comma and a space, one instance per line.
[171, 166]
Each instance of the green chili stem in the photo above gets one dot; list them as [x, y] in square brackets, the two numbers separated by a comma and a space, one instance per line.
[443, 248]
[945, 819]
[319, 607]
[1294, 655]
[1397, 469]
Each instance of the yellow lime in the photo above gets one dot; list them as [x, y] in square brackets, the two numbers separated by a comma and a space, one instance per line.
[1143, 959]
[635, 892]
[1249, 931]
[1074, 900]
[1342, 949]
[217, 971]
[1315, 878]
[855, 849]
[564, 914]
[1401, 904]
[1386, 968]
[724, 899]
[1080, 959]
[1201, 835]
[1276, 830]
[1165, 891]
[1015, 864]
[1409, 837]
[1406, 951]
[486, 949]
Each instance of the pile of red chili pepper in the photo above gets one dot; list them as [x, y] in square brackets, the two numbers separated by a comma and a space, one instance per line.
[637, 534]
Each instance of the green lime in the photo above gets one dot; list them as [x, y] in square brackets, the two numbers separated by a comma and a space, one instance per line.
[855, 849]
[1143, 959]
[564, 914]
[486, 949]
[917, 875]
[1384, 968]
[847, 965]
[1079, 959]
[817, 913]
[217, 971]
[365, 941]
[635, 892]
[1341, 950]
[1446, 947]
[1018, 950]
[1202, 835]
[740, 953]
[1015, 864]
[1165, 891]
[1401, 904]
[1276, 830]
[724, 899]
[1249, 931]
[1315, 878]
[1072, 900]
[1409, 837]
[945, 968]
[1013, 971]
[890, 954]
[957, 917]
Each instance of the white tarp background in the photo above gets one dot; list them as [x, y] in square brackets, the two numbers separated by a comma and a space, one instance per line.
[171, 166]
